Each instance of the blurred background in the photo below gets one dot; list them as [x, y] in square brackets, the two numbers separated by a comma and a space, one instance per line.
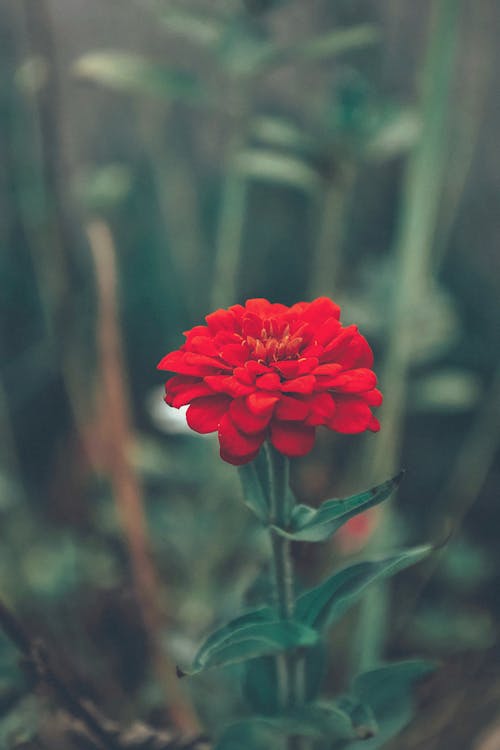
[160, 159]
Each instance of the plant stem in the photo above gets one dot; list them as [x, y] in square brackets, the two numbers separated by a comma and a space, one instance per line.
[288, 666]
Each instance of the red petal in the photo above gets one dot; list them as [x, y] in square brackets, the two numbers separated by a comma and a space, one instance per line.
[262, 403]
[244, 376]
[220, 320]
[176, 362]
[251, 325]
[270, 382]
[235, 443]
[228, 384]
[330, 368]
[196, 331]
[201, 360]
[204, 345]
[372, 398]
[237, 460]
[235, 354]
[374, 424]
[293, 368]
[292, 439]
[245, 420]
[354, 381]
[171, 360]
[350, 350]
[304, 384]
[256, 368]
[328, 330]
[182, 389]
[321, 409]
[205, 414]
[223, 338]
[293, 409]
[351, 415]
[320, 309]
[259, 305]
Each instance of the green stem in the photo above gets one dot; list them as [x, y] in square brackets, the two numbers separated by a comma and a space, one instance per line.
[288, 667]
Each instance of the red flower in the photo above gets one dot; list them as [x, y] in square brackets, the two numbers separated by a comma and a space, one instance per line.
[270, 371]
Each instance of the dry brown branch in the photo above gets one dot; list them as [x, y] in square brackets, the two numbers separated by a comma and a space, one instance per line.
[117, 434]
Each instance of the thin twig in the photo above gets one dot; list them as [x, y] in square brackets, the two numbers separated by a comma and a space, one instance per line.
[37, 655]
[118, 438]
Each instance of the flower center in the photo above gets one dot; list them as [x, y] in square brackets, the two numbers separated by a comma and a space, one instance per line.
[273, 345]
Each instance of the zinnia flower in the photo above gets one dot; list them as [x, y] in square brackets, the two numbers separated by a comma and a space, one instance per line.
[268, 371]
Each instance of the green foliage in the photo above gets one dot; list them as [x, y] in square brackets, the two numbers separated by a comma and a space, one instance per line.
[260, 682]
[320, 720]
[124, 71]
[388, 691]
[325, 604]
[253, 490]
[238, 642]
[311, 525]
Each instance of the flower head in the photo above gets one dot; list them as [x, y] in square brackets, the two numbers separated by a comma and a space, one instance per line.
[268, 371]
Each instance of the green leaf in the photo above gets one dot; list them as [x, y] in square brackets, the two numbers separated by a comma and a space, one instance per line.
[194, 27]
[382, 687]
[239, 641]
[310, 525]
[253, 491]
[322, 47]
[388, 690]
[260, 684]
[317, 720]
[124, 71]
[325, 604]
[362, 716]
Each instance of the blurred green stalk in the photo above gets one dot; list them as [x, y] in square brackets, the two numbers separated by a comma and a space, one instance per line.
[413, 265]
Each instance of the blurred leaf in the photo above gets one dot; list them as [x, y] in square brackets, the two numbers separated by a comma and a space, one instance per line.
[243, 48]
[103, 187]
[246, 50]
[310, 525]
[202, 29]
[320, 720]
[32, 75]
[325, 604]
[272, 166]
[447, 629]
[338, 41]
[281, 133]
[388, 691]
[397, 133]
[362, 717]
[253, 492]
[260, 684]
[447, 391]
[465, 564]
[322, 47]
[20, 724]
[124, 71]
[248, 637]
[384, 686]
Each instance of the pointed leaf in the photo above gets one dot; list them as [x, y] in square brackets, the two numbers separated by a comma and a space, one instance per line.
[253, 616]
[124, 71]
[362, 716]
[252, 640]
[384, 686]
[389, 692]
[318, 720]
[325, 604]
[310, 525]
